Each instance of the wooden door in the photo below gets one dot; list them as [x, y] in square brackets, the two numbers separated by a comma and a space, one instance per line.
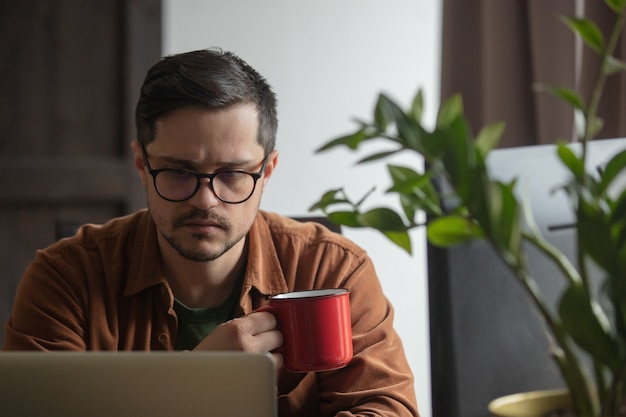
[69, 75]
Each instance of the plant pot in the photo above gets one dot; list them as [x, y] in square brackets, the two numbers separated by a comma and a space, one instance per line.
[546, 403]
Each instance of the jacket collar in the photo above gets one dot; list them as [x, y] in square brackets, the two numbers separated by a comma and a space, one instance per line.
[145, 265]
[264, 271]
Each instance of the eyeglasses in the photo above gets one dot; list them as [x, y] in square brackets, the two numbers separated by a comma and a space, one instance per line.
[176, 184]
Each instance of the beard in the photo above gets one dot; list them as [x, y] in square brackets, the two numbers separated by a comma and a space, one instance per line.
[197, 255]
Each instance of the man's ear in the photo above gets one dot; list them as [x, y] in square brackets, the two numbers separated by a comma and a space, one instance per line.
[272, 161]
[138, 161]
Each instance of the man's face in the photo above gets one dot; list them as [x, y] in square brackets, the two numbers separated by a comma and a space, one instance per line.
[203, 228]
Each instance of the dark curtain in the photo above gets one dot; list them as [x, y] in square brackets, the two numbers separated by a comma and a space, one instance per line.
[493, 51]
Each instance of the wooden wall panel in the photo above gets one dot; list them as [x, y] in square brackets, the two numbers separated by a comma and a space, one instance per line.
[70, 74]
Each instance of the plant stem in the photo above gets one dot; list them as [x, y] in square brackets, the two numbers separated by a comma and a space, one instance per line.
[596, 94]
[610, 399]
[571, 369]
[557, 257]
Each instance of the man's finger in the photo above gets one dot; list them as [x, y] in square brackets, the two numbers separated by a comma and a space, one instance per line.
[258, 322]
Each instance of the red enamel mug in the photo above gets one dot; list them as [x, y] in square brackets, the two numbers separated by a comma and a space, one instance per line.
[316, 328]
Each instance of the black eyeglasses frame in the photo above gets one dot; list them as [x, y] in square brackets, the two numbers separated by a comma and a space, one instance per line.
[154, 172]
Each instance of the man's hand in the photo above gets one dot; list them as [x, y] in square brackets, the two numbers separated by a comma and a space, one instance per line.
[255, 333]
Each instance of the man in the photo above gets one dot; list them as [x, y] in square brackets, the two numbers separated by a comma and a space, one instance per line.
[189, 272]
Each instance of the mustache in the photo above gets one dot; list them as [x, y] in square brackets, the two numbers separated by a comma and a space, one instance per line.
[202, 215]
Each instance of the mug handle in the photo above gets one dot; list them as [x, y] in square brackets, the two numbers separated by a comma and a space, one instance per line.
[266, 307]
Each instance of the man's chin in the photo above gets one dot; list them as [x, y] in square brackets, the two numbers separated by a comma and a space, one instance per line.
[200, 249]
[198, 255]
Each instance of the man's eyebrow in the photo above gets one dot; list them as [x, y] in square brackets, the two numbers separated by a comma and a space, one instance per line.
[189, 164]
[185, 163]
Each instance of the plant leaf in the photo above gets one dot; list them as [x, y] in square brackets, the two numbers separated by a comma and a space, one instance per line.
[568, 95]
[346, 218]
[327, 199]
[451, 110]
[352, 141]
[504, 216]
[416, 191]
[452, 230]
[417, 106]
[616, 5]
[571, 160]
[383, 219]
[614, 167]
[401, 239]
[377, 156]
[489, 137]
[410, 132]
[405, 179]
[596, 125]
[588, 31]
[584, 321]
[613, 65]
[618, 212]
[595, 236]
[461, 159]
[384, 112]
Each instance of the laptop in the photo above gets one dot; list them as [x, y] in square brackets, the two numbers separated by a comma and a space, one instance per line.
[131, 384]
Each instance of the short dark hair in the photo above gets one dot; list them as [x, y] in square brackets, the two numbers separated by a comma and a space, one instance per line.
[208, 78]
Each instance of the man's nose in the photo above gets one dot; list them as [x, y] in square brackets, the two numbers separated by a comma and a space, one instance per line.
[205, 196]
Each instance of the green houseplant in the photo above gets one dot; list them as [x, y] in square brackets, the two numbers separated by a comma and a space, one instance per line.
[587, 328]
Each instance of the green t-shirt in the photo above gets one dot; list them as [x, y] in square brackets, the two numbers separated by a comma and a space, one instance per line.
[194, 324]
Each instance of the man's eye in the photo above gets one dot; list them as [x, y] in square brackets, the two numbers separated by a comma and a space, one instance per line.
[230, 174]
[180, 173]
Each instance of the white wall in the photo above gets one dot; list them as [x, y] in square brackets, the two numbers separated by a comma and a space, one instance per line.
[327, 60]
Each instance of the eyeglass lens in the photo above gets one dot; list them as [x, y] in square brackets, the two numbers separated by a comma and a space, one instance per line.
[229, 186]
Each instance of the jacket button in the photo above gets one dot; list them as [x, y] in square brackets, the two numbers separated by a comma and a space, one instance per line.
[164, 338]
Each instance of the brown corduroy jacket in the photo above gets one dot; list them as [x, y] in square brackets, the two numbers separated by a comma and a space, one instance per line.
[103, 289]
